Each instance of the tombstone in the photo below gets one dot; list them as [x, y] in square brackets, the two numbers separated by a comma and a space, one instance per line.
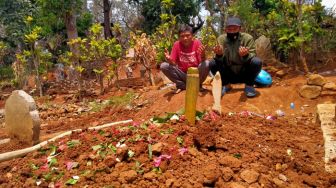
[217, 93]
[21, 118]
[71, 73]
[59, 72]
[326, 114]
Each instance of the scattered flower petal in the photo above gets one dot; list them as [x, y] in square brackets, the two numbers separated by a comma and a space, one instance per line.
[182, 150]
[166, 157]
[157, 161]
[62, 147]
[70, 165]
[45, 167]
[75, 177]
[136, 124]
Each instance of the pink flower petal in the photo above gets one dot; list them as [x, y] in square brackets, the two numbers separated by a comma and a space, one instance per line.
[166, 157]
[157, 161]
[44, 167]
[69, 165]
[136, 124]
[62, 147]
[182, 150]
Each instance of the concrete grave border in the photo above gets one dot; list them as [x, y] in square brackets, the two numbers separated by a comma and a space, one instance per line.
[19, 153]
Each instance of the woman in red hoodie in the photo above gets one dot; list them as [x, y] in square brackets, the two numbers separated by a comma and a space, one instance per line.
[186, 52]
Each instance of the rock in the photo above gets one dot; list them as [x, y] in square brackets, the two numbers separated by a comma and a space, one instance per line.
[230, 161]
[235, 185]
[310, 92]
[255, 185]
[21, 117]
[279, 183]
[278, 167]
[129, 175]
[330, 86]
[170, 182]
[122, 153]
[211, 174]
[265, 180]
[227, 174]
[150, 175]
[308, 169]
[157, 148]
[283, 177]
[193, 151]
[281, 73]
[316, 79]
[250, 176]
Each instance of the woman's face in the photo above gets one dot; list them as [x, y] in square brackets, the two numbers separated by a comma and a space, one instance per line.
[186, 38]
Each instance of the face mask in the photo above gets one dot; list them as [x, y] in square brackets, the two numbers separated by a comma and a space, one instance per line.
[232, 36]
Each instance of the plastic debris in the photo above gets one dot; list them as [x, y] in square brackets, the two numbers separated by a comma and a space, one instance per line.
[231, 113]
[270, 117]
[38, 182]
[175, 118]
[280, 113]
[289, 152]
[292, 105]
[245, 113]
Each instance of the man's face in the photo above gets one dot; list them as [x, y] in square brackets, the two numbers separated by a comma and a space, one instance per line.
[232, 29]
[186, 38]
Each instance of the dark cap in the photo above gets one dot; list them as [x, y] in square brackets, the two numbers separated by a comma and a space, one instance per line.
[233, 21]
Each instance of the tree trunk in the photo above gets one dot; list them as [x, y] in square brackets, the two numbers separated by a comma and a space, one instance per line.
[71, 28]
[302, 58]
[107, 25]
[36, 63]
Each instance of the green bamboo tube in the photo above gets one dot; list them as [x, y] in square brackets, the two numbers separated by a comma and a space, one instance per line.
[191, 94]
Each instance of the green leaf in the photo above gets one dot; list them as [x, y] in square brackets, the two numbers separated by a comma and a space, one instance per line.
[283, 38]
[130, 153]
[33, 166]
[71, 181]
[237, 155]
[97, 147]
[113, 148]
[102, 154]
[180, 140]
[73, 143]
[47, 177]
[52, 162]
[101, 132]
[199, 115]
[53, 150]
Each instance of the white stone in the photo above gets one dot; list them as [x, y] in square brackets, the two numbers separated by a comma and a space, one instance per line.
[21, 117]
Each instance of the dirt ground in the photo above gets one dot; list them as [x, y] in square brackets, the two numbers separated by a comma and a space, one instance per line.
[232, 150]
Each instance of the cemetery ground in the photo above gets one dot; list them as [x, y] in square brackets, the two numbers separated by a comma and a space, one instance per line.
[240, 148]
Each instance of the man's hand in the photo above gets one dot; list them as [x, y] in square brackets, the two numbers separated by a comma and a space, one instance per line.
[201, 51]
[218, 50]
[167, 56]
[243, 51]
